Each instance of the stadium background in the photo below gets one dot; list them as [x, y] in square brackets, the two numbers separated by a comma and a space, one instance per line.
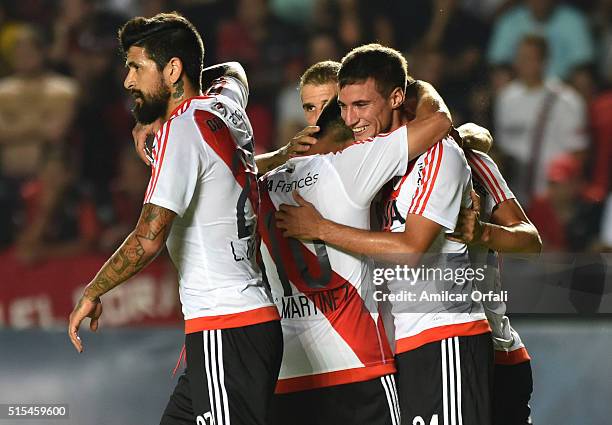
[71, 186]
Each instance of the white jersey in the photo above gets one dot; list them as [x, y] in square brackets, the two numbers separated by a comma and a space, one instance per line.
[493, 190]
[518, 119]
[332, 331]
[436, 186]
[204, 171]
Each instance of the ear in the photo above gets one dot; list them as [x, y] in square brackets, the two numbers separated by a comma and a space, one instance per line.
[397, 97]
[173, 70]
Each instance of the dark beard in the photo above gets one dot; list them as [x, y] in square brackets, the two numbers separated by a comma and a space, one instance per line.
[153, 106]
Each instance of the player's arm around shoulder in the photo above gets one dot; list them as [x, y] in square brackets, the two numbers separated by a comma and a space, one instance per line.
[509, 228]
[226, 69]
[138, 250]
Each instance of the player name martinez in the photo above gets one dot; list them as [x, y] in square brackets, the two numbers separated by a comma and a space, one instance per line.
[321, 302]
[443, 296]
[290, 186]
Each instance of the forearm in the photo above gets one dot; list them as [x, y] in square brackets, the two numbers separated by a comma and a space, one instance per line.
[520, 238]
[429, 101]
[139, 249]
[269, 161]
[230, 69]
[383, 246]
[131, 257]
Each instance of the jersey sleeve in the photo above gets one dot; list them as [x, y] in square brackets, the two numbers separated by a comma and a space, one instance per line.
[231, 88]
[441, 184]
[177, 165]
[486, 171]
[364, 167]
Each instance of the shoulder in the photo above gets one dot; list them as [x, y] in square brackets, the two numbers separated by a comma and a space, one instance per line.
[9, 85]
[443, 157]
[566, 95]
[481, 164]
[181, 129]
[58, 85]
[566, 14]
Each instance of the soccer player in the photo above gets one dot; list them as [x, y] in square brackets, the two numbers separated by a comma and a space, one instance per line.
[336, 355]
[443, 349]
[497, 223]
[201, 201]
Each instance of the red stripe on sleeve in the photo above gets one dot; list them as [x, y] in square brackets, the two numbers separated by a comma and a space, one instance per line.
[432, 181]
[483, 177]
[161, 153]
[418, 196]
[492, 175]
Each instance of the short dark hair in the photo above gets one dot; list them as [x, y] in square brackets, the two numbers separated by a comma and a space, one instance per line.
[163, 37]
[385, 65]
[325, 72]
[331, 124]
[538, 42]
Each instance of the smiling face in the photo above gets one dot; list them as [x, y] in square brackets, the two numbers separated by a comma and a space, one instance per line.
[365, 110]
[314, 98]
[146, 84]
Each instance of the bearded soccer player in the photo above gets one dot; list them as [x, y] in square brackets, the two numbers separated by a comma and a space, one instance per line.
[336, 358]
[496, 223]
[443, 350]
[201, 201]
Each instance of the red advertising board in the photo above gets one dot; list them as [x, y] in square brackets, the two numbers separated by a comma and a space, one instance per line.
[43, 294]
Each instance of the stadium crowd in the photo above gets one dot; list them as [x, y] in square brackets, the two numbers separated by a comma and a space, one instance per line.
[538, 73]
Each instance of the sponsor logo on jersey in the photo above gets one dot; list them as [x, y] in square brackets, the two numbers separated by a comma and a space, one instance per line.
[287, 186]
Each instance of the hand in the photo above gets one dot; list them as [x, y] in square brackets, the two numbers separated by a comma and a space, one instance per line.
[84, 308]
[301, 222]
[475, 137]
[469, 228]
[142, 134]
[301, 143]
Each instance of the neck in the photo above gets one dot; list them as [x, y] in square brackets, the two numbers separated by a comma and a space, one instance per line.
[398, 119]
[175, 100]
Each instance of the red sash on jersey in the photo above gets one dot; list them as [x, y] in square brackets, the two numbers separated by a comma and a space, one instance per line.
[352, 321]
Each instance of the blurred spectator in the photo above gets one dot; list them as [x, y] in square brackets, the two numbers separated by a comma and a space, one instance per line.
[71, 19]
[36, 106]
[600, 14]
[36, 109]
[127, 191]
[294, 12]
[60, 220]
[206, 15]
[565, 28]
[322, 47]
[599, 104]
[260, 41]
[558, 213]
[486, 9]
[269, 49]
[103, 119]
[536, 120]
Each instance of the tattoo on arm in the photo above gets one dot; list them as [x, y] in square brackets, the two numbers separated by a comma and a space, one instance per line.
[138, 250]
